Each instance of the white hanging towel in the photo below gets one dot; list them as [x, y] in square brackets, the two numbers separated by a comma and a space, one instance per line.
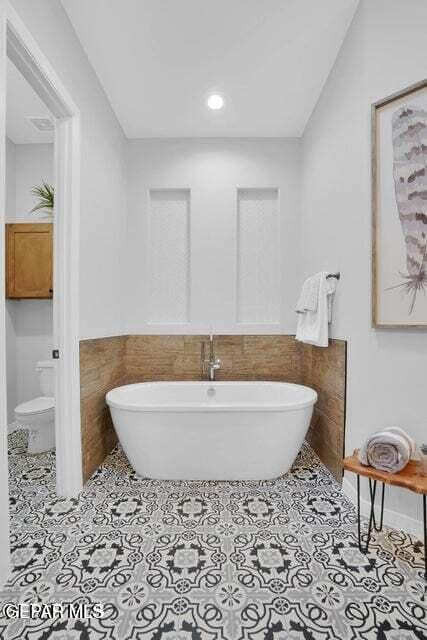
[308, 298]
[314, 309]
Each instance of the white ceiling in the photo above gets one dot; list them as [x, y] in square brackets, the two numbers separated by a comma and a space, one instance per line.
[22, 101]
[158, 60]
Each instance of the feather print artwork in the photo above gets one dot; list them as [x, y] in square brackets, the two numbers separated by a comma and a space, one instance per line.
[409, 132]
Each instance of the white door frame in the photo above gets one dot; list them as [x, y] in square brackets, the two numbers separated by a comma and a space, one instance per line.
[24, 52]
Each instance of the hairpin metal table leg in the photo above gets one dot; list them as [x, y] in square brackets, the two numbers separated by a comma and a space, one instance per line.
[425, 534]
[372, 491]
[380, 527]
[359, 540]
[372, 520]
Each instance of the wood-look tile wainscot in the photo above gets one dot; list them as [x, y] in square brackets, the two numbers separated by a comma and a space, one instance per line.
[102, 367]
[242, 357]
[108, 362]
[324, 369]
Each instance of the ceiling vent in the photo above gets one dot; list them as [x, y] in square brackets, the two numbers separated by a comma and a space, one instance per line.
[41, 124]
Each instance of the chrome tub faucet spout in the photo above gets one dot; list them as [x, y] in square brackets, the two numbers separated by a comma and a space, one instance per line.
[213, 364]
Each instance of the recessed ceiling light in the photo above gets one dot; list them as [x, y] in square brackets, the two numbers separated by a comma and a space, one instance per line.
[215, 102]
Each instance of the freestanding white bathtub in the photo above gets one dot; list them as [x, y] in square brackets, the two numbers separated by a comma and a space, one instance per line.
[211, 430]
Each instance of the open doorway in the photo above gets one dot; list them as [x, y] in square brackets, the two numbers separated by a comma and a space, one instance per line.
[24, 53]
[29, 233]
[30, 61]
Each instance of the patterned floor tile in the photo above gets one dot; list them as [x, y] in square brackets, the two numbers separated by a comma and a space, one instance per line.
[180, 560]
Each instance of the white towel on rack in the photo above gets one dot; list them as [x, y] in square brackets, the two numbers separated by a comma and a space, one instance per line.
[309, 295]
[313, 326]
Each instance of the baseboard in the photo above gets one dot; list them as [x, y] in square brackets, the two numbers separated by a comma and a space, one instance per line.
[406, 523]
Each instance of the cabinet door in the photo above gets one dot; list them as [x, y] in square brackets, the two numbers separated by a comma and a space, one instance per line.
[29, 260]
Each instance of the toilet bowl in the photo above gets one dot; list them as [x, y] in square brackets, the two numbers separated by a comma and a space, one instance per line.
[38, 415]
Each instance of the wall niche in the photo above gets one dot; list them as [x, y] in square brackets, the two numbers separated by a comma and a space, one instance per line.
[169, 256]
[258, 256]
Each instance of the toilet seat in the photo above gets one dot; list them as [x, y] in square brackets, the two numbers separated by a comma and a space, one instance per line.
[42, 404]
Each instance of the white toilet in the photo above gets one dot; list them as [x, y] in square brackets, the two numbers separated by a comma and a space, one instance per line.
[38, 415]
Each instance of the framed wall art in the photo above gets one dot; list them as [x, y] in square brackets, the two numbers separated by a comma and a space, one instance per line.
[399, 202]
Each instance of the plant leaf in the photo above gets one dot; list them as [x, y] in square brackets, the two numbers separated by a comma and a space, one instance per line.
[45, 195]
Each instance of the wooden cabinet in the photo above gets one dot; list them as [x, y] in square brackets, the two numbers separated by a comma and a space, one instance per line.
[29, 260]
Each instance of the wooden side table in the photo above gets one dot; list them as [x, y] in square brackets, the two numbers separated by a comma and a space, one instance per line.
[411, 477]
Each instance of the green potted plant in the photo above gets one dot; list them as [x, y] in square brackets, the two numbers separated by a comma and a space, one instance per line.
[45, 196]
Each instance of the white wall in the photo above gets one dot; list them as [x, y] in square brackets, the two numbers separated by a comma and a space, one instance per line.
[34, 164]
[385, 50]
[10, 168]
[103, 196]
[29, 323]
[11, 360]
[27, 165]
[34, 341]
[212, 170]
[29, 338]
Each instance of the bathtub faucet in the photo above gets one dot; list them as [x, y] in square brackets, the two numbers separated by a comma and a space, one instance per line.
[213, 363]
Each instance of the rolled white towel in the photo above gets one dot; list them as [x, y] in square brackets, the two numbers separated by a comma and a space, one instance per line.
[388, 450]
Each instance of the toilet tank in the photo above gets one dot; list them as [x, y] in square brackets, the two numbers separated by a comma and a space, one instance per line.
[45, 371]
